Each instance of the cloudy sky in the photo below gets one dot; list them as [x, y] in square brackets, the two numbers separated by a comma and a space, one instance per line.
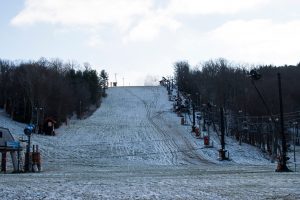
[139, 38]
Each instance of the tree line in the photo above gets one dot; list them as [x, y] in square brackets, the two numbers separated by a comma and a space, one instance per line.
[229, 85]
[31, 91]
[223, 84]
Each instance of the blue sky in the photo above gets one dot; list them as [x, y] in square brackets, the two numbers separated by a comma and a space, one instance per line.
[136, 39]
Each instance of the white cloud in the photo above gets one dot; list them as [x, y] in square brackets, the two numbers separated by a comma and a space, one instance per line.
[82, 12]
[150, 27]
[203, 7]
[95, 41]
[134, 19]
[258, 41]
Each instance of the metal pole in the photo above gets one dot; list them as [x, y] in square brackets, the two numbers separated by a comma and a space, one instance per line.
[222, 129]
[208, 134]
[294, 150]
[80, 109]
[168, 87]
[209, 122]
[274, 142]
[282, 167]
[295, 147]
[193, 127]
[172, 83]
[18, 154]
[37, 120]
[240, 125]
[196, 99]
[27, 155]
[294, 138]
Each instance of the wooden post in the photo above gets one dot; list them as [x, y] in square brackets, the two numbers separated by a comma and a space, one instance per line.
[19, 159]
[39, 164]
[14, 160]
[3, 161]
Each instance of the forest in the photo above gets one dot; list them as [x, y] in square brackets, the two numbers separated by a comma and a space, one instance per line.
[229, 85]
[251, 106]
[32, 91]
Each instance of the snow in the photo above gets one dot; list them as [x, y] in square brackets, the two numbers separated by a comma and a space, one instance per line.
[134, 147]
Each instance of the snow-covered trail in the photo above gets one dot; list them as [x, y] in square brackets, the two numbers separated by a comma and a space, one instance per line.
[129, 129]
[133, 147]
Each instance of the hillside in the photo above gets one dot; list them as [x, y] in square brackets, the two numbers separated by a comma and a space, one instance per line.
[134, 147]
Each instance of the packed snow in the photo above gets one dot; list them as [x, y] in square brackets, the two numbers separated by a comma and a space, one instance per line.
[133, 147]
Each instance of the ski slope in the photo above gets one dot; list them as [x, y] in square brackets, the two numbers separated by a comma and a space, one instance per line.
[134, 147]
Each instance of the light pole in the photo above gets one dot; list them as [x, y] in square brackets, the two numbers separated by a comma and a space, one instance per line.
[28, 131]
[281, 166]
